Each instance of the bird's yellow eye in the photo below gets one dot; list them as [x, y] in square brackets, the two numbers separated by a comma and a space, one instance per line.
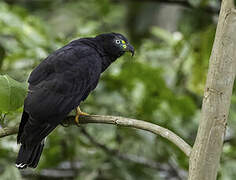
[123, 42]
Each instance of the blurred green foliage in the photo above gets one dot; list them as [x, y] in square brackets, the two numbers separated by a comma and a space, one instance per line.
[162, 84]
[12, 94]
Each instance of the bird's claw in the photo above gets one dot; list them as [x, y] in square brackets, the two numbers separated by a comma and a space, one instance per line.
[79, 113]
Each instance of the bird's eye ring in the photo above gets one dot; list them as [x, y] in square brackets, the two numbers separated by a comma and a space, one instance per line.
[117, 41]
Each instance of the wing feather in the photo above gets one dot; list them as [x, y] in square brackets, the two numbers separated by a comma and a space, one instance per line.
[57, 86]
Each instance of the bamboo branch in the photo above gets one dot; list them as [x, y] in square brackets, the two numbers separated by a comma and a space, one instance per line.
[120, 121]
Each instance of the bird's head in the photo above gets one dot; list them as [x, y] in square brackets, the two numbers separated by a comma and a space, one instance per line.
[115, 44]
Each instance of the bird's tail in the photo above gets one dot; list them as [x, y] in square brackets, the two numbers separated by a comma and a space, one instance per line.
[29, 156]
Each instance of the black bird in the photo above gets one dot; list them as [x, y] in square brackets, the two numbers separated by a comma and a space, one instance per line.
[59, 84]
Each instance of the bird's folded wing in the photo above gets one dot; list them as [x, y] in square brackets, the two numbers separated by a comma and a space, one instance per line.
[69, 76]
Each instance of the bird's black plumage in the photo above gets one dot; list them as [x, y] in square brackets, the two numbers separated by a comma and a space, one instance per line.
[59, 84]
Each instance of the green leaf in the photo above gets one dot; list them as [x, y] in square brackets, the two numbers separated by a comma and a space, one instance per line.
[12, 93]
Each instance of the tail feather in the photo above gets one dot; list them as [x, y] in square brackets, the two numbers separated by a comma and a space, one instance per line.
[24, 119]
[31, 135]
[29, 156]
[35, 159]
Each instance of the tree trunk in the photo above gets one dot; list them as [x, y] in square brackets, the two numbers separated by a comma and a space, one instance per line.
[205, 156]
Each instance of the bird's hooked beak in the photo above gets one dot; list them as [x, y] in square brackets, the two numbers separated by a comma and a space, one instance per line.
[130, 48]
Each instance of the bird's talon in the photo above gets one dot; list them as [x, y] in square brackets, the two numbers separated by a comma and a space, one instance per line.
[79, 113]
[77, 119]
[84, 114]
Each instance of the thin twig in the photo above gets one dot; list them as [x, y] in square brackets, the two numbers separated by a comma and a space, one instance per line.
[121, 121]
[7, 131]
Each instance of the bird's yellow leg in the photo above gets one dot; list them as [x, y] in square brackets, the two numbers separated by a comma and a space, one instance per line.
[79, 113]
